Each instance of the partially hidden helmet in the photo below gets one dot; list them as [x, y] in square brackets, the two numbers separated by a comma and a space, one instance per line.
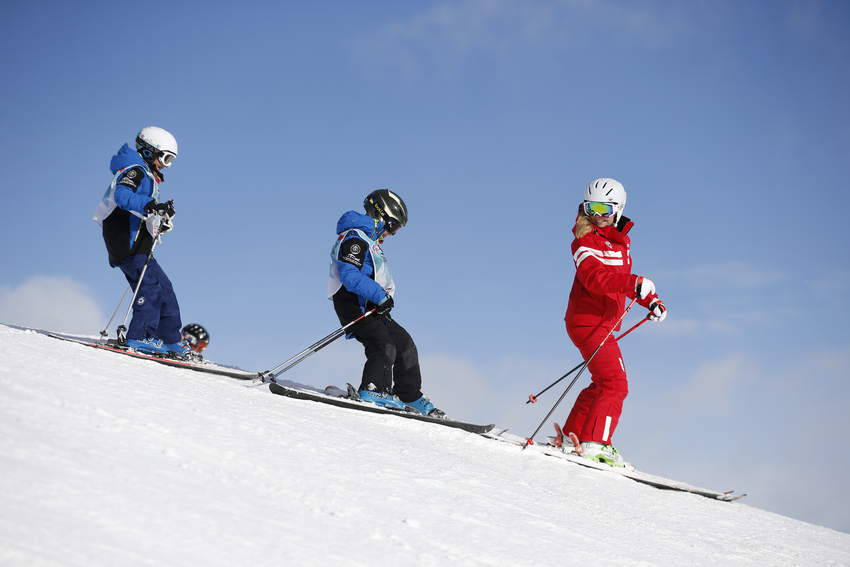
[153, 142]
[196, 336]
[386, 206]
[607, 190]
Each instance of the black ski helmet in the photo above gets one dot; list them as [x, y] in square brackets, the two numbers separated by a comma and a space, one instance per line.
[196, 336]
[386, 206]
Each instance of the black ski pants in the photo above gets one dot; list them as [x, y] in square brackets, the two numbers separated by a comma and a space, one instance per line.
[391, 356]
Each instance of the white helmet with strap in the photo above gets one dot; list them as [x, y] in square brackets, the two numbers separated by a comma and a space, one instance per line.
[153, 142]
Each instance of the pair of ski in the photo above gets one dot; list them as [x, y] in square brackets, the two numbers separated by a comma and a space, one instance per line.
[199, 365]
[350, 399]
[556, 449]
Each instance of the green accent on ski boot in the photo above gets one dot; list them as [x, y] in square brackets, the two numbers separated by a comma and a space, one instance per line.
[596, 452]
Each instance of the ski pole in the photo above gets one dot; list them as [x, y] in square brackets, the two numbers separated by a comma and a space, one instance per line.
[528, 440]
[122, 329]
[271, 375]
[105, 332]
[532, 399]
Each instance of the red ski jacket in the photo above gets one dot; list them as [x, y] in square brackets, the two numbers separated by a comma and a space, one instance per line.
[603, 278]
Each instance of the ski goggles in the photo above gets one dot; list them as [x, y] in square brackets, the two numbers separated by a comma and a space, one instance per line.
[165, 158]
[195, 344]
[392, 226]
[604, 210]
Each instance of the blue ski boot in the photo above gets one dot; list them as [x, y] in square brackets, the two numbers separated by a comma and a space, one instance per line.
[424, 406]
[149, 345]
[383, 399]
[181, 349]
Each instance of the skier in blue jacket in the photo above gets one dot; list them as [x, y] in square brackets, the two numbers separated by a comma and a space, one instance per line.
[127, 214]
[360, 280]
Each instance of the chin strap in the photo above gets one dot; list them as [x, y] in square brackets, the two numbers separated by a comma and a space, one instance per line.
[375, 230]
[149, 158]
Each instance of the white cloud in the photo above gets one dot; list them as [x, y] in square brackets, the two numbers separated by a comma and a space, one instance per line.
[822, 23]
[721, 327]
[739, 275]
[449, 380]
[450, 31]
[804, 382]
[836, 362]
[689, 326]
[51, 303]
[830, 283]
[496, 391]
[715, 384]
[733, 298]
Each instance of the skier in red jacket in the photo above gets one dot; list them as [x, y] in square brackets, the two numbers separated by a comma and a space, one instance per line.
[602, 283]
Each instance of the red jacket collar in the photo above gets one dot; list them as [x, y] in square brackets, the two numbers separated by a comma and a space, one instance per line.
[616, 233]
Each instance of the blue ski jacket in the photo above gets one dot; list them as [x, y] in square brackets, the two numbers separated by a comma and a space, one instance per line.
[133, 187]
[358, 268]
[354, 256]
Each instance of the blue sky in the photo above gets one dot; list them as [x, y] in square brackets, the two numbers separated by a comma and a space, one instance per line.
[727, 122]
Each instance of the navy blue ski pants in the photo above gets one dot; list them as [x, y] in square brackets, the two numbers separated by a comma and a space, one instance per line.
[155, 310]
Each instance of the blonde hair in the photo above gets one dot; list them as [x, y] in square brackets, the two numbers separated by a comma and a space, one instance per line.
[583, 223]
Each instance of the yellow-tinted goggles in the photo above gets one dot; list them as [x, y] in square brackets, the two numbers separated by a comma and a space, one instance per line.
[605, 210]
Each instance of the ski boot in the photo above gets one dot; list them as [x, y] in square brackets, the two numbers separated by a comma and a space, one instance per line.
[148, 345]
[383, 399]
[605, 454]
[180, 350]
[424, 406]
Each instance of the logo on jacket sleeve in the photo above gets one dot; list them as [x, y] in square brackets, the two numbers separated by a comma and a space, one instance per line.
[130, 179]
[353, 251]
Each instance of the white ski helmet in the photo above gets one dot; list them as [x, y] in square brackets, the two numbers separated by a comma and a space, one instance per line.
[607, 190]
[153, 142]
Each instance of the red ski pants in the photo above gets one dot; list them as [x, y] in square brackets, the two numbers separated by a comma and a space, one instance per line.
[597, 410]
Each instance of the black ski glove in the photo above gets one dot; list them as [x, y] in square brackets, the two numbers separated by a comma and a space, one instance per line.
[161, 208]
[383, 308]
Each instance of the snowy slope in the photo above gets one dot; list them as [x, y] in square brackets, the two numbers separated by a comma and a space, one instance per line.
[106, 460]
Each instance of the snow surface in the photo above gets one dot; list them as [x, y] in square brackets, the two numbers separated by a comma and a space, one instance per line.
[107, 460]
